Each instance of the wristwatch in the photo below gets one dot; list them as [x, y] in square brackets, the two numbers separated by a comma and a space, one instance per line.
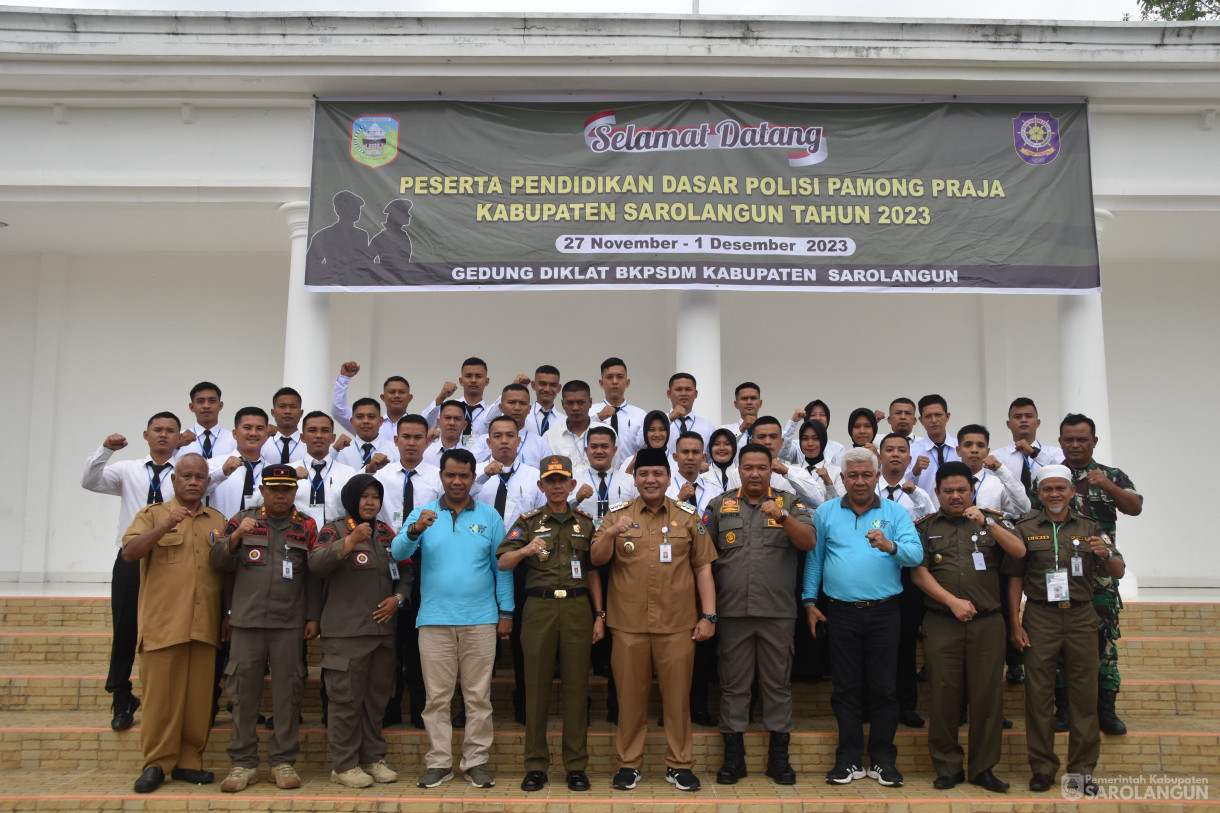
[710, 617]
[599, 613]
[401, 600]
[988, 521]
[784, 514]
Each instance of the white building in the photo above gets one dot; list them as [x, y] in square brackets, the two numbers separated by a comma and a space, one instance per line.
[153, 170]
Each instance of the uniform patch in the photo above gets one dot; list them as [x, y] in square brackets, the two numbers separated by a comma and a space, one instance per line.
[515, 533]
[707, 515]
[362, 558]
[799, 507]
[779, 501]
[478, 529]
[1008, 525]
[702, 531]
[619, 506]
[730, 537]
[1037, 538]
[880, 523]
[533, 513]
[730, 506]
[254, 554]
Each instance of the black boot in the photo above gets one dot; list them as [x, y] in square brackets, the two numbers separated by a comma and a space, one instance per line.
[1107, 718]
[778, 767]
[734, 766]
[1063, 714]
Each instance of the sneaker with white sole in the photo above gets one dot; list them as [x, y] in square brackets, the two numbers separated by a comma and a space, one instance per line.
[380, 771]
[238, 779]
[625, 779]
[434, 776]
[844, 774]
[352, 778]
[682, 778]
[885, 774]
[480, 777]
[285, 776]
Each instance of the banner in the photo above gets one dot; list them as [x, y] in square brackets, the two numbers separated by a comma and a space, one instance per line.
[445, 195]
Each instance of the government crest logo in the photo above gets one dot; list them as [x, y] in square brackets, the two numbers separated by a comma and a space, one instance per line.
[1036, 137]
[374, 140]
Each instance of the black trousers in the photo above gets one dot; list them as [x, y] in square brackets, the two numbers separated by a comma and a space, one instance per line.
[125, 621]
[864, 651]
[408, 673]
[911, 607]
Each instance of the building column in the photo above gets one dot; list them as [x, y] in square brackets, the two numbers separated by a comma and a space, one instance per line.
[307, 328]
[697, 348]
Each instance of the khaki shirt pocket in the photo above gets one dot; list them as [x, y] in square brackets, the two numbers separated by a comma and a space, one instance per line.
[170, 548]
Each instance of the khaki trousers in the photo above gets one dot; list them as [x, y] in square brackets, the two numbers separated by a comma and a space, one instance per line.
[563, 627]
[177, 715]
[359, 676]
[634, 658]
[447, 652]
[1071, 633]
[249, 651]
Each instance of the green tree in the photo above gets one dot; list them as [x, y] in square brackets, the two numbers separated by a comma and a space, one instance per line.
[1179, 9]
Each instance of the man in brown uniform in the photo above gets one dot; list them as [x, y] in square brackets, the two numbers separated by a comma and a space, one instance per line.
[563, 614]
[179, 625]
[276, 602]
[757, 533]
[1063, 551]
[660, 552]
[963, 627]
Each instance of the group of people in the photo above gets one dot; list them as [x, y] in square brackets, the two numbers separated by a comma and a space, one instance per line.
[599, 537]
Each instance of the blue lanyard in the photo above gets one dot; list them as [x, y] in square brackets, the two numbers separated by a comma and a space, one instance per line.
[537, 423]
[291, 451]
[980, 485]
[313, 490]
[215, 440]
[160, 481]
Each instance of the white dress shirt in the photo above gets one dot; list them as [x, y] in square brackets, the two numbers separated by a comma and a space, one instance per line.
[477, 446]
[620, 487]
[705, 490]
[835, 489]
[712, 475]
[1014, 460]
[533, 447]
[927, 478]
[792, 449]
[353, 455]
[572, 446]
[342, 413]
[630, 425]
[522, 492]
[735, 427]
[797, 480]
[694, 423]
[1001, 491]
[533, 421]
[425, 487]
[334, 476]
[223, 443]
[918, 503]
[228, 497]
[127, 479]
[480, 416]
[273, 449]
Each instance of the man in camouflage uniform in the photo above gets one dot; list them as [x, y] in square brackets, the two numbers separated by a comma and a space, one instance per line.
[1101, 493]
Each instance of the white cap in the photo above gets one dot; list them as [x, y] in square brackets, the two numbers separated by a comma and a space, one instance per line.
[1047, 472]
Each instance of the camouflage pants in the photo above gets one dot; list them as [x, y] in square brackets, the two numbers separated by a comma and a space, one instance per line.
[1108, 605]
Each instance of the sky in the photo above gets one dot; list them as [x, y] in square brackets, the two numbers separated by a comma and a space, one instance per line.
[1109, 10]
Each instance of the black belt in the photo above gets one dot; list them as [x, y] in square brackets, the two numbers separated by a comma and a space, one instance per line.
[575, 592]
[1062, 605]
[947, 614]
[860, 605]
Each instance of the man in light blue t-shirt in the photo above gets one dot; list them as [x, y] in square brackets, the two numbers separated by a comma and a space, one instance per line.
[465, 601]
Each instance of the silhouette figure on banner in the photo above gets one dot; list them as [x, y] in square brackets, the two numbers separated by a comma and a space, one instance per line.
[340, 252]
[391, 247]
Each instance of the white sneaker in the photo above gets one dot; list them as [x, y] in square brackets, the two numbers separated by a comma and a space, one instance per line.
[380, 771]
[286, 776]
[352, 778]
[238, 779]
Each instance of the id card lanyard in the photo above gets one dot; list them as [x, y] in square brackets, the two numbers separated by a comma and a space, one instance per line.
[1057, 579]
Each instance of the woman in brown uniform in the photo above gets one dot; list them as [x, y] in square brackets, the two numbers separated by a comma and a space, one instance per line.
[363, 591]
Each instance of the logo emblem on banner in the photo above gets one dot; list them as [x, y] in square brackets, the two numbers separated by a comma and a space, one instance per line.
[1037, 137]
[374, 140]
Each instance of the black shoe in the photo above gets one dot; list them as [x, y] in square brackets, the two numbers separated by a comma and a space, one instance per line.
[682, 779]
[843, 774]
[949, 781]
[778, 766]
[1015, 675]
[124, 708]
[417, 721]
[886, 775]
[533, 781]
[391, 717]
[625, 779]
[150, 780]
[459, 719]
[704, 719]
[612, 716]
[262, 720]
[1107, 718]
[519, 713]
[734, 767]
[1041, 782]
[922, 675]
[1007, 724]
[910, 718]
[578, 781]
[989, 781]
[193, 776]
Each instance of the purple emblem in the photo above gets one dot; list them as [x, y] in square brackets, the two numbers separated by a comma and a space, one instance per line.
[1036, 137]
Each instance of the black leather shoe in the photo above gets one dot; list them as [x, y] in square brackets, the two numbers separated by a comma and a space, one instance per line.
[124, 712]
[459, 719]
[150, 780]
[948, 782]
[1041, 782]
[1007, 724]
[989, 781]
[533, 781]
[704, 719]
[391, 717]
[577, 781]
[910, 718]
[193, 775]
[417, 721]
[1015, 675]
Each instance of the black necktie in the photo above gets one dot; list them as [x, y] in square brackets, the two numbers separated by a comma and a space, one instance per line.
[207, 443]
[682, 422]
[469, 419]
[1027, 479]
[368, 453]
[692, 499]
[614, 421]
[247, 489]
[603, 495]
[317, 495]
[502, 493]
[546, 422]
[408, 495]
[940, 454]
[284, 452]
[154, 485]
[891, 490]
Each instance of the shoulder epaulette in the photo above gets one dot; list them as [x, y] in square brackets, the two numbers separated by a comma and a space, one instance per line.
[992, 511]
[582, 513]
[619, 506]
[530, 514]
[925, 518]
[687, 507]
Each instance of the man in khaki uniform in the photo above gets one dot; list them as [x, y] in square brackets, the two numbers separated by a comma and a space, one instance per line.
[276, 602]
[1064, 552]
[563, 614]
[963, 626]
[179, 626]
[757, 533]
[659, 553]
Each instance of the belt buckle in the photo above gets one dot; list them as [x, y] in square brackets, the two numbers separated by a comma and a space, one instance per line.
[560, 594]
[1065, 605]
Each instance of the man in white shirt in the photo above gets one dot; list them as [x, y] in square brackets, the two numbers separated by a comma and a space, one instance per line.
[407, 483]
[322, 475]
[1026, 455]
[137, 483]
[243, 471]
[687, 486]
[995, 487]
[206, 437]
[682, 393]
[284, 440]
[369, 453]
[783, 476]
[747, 399]
[602, 485]
[895, 455]
[515, 403]
[938, 448]
[568, 436]
[395, 394]
[474, 381]
[451, 420]
[543, 415]
[626, 420]
[902, 418]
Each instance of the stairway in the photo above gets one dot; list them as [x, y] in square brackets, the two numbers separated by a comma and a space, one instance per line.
[57, 751]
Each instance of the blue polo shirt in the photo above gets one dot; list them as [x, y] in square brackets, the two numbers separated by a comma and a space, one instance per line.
[460, 584]
[845, 566]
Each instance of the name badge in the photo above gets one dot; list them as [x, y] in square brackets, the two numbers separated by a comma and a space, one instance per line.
[576, 569]
[979, 562]
[287, 568]
[1077, 566]
[667, 552]
[394, 570]
[1057, 585]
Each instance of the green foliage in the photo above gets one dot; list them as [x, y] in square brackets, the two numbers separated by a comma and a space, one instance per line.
[1179, 9]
